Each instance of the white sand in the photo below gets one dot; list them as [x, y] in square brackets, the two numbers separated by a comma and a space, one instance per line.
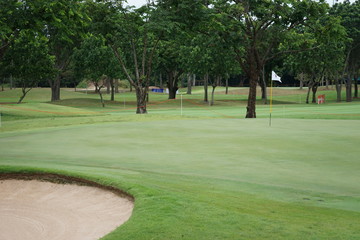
[42, 210]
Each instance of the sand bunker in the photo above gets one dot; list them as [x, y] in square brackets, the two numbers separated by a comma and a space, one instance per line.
[43, 210]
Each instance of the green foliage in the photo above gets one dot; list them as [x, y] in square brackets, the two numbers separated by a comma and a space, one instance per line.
[326, 49]
[65, 22]
[218, 37]
[94, 59]
[28, 59]
[82, 84]
[124, 84]
[257, 29]
[350, 14]
[9, 9]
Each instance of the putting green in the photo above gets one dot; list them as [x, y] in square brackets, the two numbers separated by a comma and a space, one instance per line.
[314, 155]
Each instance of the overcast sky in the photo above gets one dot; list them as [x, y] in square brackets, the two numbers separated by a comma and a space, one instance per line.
[139, 3]
[136, 3]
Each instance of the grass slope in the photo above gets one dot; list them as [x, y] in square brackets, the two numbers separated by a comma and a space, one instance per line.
[208, 174]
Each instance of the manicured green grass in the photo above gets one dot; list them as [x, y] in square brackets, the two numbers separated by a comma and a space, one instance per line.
[206, 174]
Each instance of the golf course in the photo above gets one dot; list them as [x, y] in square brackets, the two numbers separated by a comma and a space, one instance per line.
[196, 171]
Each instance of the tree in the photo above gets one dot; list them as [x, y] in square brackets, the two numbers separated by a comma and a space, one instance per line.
[11, 22]
[325, 56]
[256, 29]
[61, 21]
[191, 78]
[183, 20]
[350, 14]
[134, 38]
[95, 61]
[207, 54]
[64, 23]
[169, 63]
[29, 61]
[15, 17]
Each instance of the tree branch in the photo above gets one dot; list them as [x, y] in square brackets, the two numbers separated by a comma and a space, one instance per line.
[119, 58]
[135, 60]
[290, 51]
[145, 41]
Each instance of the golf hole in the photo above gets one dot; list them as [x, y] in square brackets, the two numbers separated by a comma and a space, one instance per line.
[34, 209]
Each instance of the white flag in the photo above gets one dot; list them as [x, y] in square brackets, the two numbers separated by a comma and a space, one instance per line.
[275, 77]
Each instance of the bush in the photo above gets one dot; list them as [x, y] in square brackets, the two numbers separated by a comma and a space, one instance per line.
[82, 84]
[124, 84]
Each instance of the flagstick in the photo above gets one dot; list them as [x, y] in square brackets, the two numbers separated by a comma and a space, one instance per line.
[181, 102]
[271, 84]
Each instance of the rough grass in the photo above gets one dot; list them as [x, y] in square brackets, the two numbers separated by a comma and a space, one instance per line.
[208, 174]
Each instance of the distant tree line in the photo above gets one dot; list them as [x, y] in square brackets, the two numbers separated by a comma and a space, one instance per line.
[168, 43]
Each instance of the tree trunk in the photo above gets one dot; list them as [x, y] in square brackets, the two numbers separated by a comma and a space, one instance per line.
[212, 95]
[308, 93]
[251, 106]
[172, 83]
[338, 89]
[263, 89]
[301, 79]
[206, 82]
[11, 82]
[314, 90]
[142, 78]
[116, 85]
[55, 88]
[264, 94]
[227, 86]
[108, 85]
[189, 83]
[348, 89]
[101, 97]
[172, 92]
[183, 81]
[214, 85]
[141, 100]
[21, 98]
[356, 87]
[263, 86]
[112, 85]
[253, 75]
[24, 92]
[96, 87]
[241, 82]
[327, 83]
[161, 81]
[194, 78]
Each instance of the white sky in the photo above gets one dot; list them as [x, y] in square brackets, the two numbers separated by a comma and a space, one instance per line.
[136, 3]
[139, 3]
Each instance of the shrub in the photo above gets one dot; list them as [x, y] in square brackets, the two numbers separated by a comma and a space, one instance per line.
[124, 84]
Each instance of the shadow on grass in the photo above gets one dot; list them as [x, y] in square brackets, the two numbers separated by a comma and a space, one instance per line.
[88, 102]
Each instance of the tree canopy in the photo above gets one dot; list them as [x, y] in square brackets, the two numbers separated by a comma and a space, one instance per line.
[213, 38]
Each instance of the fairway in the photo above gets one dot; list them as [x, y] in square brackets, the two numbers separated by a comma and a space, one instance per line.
[205, 174]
